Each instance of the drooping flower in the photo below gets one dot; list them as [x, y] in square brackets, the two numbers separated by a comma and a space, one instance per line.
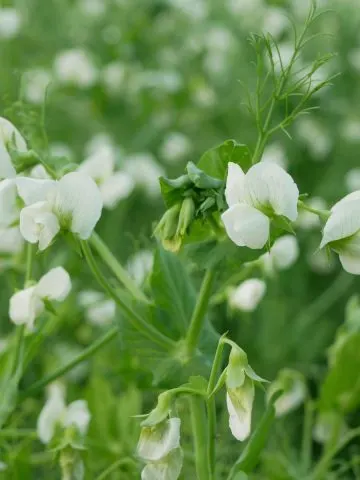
[57, 413]
[168, 468]
[27, 304]
[10, 137]
[283, 254]
[342, 232]
[264, 192]
[114, 185]
[73, 203]
[247, 295]
[99, 310]
[293, 388]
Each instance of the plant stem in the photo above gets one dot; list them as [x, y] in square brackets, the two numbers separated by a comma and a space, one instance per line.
[115, 466]
[117, 269]
[307, 436]
[137, 321]
[198, 316]
[198, 420]
[84, 355]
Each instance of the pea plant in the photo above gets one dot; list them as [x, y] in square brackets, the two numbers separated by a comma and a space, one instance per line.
[227, 216]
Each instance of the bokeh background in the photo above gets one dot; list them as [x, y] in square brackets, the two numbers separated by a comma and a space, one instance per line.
[153, 84]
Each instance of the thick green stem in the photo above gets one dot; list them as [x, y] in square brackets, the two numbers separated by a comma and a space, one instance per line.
[198, 420]
[117, 269]
[136, 320]
[84, 355]
[198, 317]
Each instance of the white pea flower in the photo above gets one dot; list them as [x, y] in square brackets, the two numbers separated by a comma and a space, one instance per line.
[140, 265]
[342, 232]
[39, 172]
[10, 22]
[283, 254]
[113, 77]
[240, 393]
[247, 295]
[266, 190]
[75, 67]
[9, 137]
[27, 304]
[145, 171]
[276, 21]
[293, 388]
[72, 203]
[57, 413]
[11, 241]
[325, 424]
[99, 310]
[168, 468]
[113, 185]
[175, 147]
[35, 85]
[275, 153]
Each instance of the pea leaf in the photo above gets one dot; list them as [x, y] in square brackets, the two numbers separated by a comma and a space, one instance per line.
[214, 161]
[200, 179]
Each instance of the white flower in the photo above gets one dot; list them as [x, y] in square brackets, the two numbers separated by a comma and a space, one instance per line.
[293, 388]
[352, 179]
[93, 8]
[114, 186]
[59, 149]
[325, 424]
[283, 254]
[247, 295]
[253, 198]
[10, 22]
[168, 468]
[140, 265]
[73, 203]
[113, 77]
[11, 241]
[145, 171]
[307, 220]
[175, 147]
[75, 67]
[98, 142]
[39, 172]
[342, 232]
[9, 137]
[315, 137]
[3, 466]
[275, 153]
[157, 441]
[35, 85]
[28, 304]
[99, 310]
[55, 412]
[275, 21]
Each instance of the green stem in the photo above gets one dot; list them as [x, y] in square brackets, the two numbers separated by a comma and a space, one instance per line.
[117, 269]
[198, 316]
[307, 436]
[198, 420]
[84, 355]
[137, 321]
[112, 468]
[20, 433]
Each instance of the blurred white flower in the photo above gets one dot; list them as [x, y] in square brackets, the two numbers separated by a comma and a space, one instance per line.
[352, 179]
[204, 96]
[3, 467]
[113, 77]
[350, 130]
[75, 67]
[99, 310]
[113, 185]
[196, 10]
[315, 137]
[98, 142]
[11, 241]
[342, 232]
[27, 304]
[168, 468]
[275, 22]
[72, 203]
[219, 38]
[247, 295]
[10, 22]
[59, 149]
[283, 254]
[308, 220]
[36, 82]
[275, 153]
[325, 424]
[140, 265]
[294, 391]
[145, 172]
[264, 190]
[169, 81]
[175, 147]
[10, 137]
[93, 8]
[56, 413]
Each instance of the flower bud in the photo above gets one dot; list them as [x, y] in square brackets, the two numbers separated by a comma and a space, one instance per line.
[167, 227]
[186, 216]
[161, 411]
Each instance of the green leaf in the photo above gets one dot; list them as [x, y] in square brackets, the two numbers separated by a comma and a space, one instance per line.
[200, 179]
[214, 162]
[341, 387]
[172, 191]
[283, 223]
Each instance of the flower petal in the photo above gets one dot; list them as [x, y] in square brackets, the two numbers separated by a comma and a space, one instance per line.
[348, 198]
[234, 184]
[284, 252]
[10, 134]
[247, 295]
[25, 307]
[268, 185]
[39, 224]
[77, 413]
[7, 169]
[158, 441]
[54, 285]
[239, 403]
[167, 469]
[100, 165]
[246, 226]
[11, 240]
[8, 207]
[33, 190]
[49, 416]
[344, 222]
[350, 263]
[116, 188]
[78, 204]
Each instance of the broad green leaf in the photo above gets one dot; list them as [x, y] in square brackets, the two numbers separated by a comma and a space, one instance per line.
[200, 179]
[341, 387]
[214, 162]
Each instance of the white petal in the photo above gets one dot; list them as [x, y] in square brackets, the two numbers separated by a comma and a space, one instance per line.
[285, 252]
[49, 416]
[8, 207]
[25, 306]
[77, 413]
[101, 313]
[116, 188]
[39, 224]
[167, 469]
[9, 133]
[11, 240]
[33, 190]
[348, 198]
[239, 403]
[289, 401]
[344, 221]
[54, 285]
[78, 204]
[246, 226]
[87, 298]
[100, 165]
[7, 169]
[157, 442]
[248, 295]
[350, 263]
[234, 184]
[267, 184]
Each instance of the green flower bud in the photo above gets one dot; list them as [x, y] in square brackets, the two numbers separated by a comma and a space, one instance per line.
[161, 411]
[186, 216]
